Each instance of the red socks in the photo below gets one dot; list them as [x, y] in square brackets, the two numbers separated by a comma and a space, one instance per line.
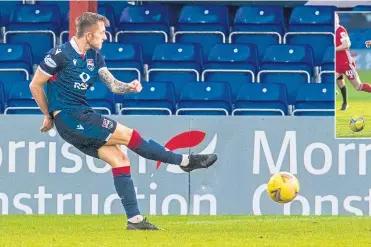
[118, 171]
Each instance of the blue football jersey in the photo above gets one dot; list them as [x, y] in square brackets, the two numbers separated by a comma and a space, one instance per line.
[71, 75]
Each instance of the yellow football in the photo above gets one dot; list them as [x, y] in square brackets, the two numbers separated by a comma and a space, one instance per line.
[283, 187]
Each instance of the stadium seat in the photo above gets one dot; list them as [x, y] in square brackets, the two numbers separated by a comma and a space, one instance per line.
[118, 7]
[103, 9]
[327, 74]
[236, 64]
[63, 6]
[315, 100]
[101, 99]
[175, 63]
[38, 25]
[288, 64]
[15, 62]
[20, 100]
[155, 99]
[314, 26]
[8, 85]
[177, 87]
[205, 99]
[125, 61]
[147, 25]
[204, 24]
[261, 99]
[6, 10]
[261, 25]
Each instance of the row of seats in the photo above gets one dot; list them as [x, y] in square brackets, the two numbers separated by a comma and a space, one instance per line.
[207, 25]
[208, 98]
[63, 6]
[235, 64]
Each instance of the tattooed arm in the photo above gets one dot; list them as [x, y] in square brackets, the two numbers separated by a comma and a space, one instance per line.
[116, 86]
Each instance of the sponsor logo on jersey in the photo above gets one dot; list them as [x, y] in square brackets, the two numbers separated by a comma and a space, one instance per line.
[58, 51]
[90, 64]
[81, 86]
[50, 62]
[84, 77]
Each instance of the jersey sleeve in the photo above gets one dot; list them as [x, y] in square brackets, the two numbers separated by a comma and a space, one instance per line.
[101, 62]
[53, 62]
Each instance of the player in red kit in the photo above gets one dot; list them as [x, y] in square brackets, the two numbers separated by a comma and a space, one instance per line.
[345, 64]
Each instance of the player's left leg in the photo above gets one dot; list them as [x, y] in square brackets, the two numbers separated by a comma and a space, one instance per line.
[343, 89]
[124, 186]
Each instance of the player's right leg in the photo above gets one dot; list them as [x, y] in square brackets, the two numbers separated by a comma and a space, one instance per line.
[343, 89]
[124, 186]
[88, 132]
[154, 151]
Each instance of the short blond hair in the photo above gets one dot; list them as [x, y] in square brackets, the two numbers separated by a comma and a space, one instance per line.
[87, 20]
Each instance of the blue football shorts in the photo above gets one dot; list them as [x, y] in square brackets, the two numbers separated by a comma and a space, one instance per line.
[84, 129]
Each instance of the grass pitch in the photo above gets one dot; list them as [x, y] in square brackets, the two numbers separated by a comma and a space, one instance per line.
[359, 105]
[109, 230]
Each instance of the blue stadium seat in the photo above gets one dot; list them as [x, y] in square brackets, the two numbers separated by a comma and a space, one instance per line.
[205, 99]
[261, 99]
[15, 62]
[261, 25]
[20, 100]
[155, 99]
[236, 64]
[103, 9]
[204, 24]
[63, 6]
[6, 9]
[38, 25]
[175, 63]
[147, 25]
[101, 99]
[314, 26]
[288, 64]
[327, 74]
[177, 86]
[125, 61]
[8, 85]
[315, 100]
[118, 7]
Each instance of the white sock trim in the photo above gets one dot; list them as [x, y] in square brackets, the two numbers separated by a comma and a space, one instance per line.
[136, 219]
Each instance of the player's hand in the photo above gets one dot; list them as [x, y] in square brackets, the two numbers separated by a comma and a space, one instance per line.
[368, 43]
[135, 86]
[48, 124]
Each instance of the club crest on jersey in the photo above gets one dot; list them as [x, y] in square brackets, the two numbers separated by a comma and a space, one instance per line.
[108, 124]
[90, 64]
